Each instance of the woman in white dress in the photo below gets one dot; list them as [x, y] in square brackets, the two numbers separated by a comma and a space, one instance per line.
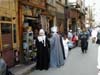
[65, 43]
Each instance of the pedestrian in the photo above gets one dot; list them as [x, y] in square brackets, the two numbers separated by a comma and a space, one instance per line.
[56, 52]
[65, 44]
[84, 40]
[94, 35]
[75, 39]
[70, 35]
[62, 46]
[43, 50]
[98, 60]
[98, 38]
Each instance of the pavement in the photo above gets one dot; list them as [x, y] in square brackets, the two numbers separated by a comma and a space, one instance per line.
[76, 63]
[22, 69]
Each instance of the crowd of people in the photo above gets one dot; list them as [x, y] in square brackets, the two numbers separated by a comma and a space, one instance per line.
[53, 51]
[50, 51]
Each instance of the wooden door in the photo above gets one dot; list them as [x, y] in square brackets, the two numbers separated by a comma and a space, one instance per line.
[7, 47]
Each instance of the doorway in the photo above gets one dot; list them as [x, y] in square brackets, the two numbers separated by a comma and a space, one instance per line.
[7, 43]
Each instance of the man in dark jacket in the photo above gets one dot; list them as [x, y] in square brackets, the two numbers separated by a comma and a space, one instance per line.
[84, 40]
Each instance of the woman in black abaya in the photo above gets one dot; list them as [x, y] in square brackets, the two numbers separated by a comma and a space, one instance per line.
[43, 57]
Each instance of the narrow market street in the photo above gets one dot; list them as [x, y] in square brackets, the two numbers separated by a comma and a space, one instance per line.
[76, 64]
[36, 37]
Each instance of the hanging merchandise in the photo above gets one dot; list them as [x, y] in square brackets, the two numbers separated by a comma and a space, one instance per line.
[44, 22]
[26, 25]
[27, 10]
[28, 44]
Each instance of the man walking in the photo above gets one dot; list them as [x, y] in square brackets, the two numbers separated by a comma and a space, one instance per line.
[84, 40]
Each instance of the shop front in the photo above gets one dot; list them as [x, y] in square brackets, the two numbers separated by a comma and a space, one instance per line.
[8, 32]
[29, 24]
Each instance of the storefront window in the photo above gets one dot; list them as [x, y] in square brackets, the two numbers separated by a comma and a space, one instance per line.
[5, 28]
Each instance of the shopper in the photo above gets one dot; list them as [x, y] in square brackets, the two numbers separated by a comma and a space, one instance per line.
[84, 40]
[43, 46]
[56, 52]
[98, 38]
[65, 44]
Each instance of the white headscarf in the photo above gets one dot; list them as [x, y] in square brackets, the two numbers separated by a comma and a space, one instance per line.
[41, 32]
[42, 36]
[54, 29]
